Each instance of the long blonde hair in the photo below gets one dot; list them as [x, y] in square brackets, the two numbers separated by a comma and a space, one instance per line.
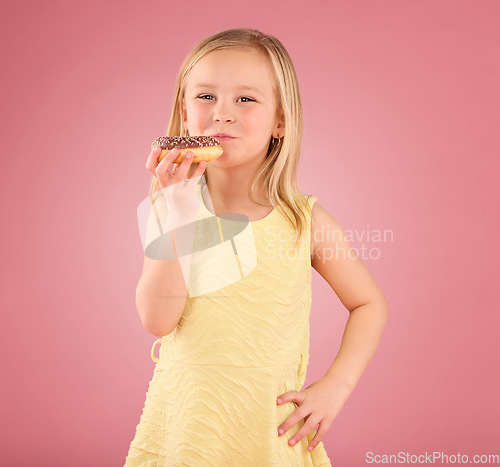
[279, 171]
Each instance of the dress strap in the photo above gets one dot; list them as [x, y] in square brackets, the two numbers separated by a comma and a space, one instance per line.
[156, 360]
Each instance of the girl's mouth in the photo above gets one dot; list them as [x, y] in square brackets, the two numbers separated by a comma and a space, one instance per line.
[223, 137]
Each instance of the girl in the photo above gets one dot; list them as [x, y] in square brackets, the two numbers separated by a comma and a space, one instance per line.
[233, 316]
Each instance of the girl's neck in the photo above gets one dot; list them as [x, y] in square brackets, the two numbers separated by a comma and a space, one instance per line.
[231, 186]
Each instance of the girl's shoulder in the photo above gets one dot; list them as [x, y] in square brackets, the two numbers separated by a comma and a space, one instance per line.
[301, 203]
[321, 218]
[304, 200]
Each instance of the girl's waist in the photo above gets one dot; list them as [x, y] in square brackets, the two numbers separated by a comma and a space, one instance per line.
[230, 358]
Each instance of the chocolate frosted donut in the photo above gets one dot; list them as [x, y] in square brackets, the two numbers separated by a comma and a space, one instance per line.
[204, 148]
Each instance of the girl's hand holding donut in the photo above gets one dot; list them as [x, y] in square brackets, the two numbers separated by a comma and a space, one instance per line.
[177, 188]
[169, 151]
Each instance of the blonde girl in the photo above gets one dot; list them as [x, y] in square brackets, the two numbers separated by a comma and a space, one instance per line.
[232, 316]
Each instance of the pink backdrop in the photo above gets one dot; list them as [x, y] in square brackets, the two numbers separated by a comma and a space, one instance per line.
[401, 114]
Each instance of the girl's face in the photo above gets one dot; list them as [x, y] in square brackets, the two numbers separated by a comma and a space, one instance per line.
[232, 91]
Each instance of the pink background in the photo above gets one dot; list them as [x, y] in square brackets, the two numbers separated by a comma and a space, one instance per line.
[401, 106]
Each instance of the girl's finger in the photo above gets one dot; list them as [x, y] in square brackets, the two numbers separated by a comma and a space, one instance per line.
[167, 169]
[201, 168]
[173, 168]
[197, 173]
[152, 161]
[168, 159]
[303, 431]
[184, 167]
[318, 436]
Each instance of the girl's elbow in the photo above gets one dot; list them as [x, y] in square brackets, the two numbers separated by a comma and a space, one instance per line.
[158, 329]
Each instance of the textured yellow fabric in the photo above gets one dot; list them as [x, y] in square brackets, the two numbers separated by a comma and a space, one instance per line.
[212, 397]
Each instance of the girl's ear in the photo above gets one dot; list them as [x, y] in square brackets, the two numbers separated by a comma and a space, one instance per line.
[280, 127]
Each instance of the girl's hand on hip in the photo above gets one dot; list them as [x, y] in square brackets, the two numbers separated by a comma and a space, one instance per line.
[320, 402]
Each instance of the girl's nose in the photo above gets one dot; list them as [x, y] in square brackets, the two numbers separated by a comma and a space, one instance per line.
[223, 115]
[224, 118]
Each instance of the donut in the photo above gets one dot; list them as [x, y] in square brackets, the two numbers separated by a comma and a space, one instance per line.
[204, 148]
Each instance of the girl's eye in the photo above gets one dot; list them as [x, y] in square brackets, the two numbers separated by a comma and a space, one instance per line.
[204, 96]
[210, 97]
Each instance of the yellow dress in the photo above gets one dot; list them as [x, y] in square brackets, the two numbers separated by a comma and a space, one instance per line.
[212, 398]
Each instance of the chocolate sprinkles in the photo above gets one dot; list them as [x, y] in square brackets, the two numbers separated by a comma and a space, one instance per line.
[182, 142]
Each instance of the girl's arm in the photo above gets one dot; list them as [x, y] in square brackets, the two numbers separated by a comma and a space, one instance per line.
[161, 291]
[337, 262]
[161, 295]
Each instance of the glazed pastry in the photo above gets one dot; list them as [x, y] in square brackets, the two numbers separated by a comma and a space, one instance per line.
[204, 148]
